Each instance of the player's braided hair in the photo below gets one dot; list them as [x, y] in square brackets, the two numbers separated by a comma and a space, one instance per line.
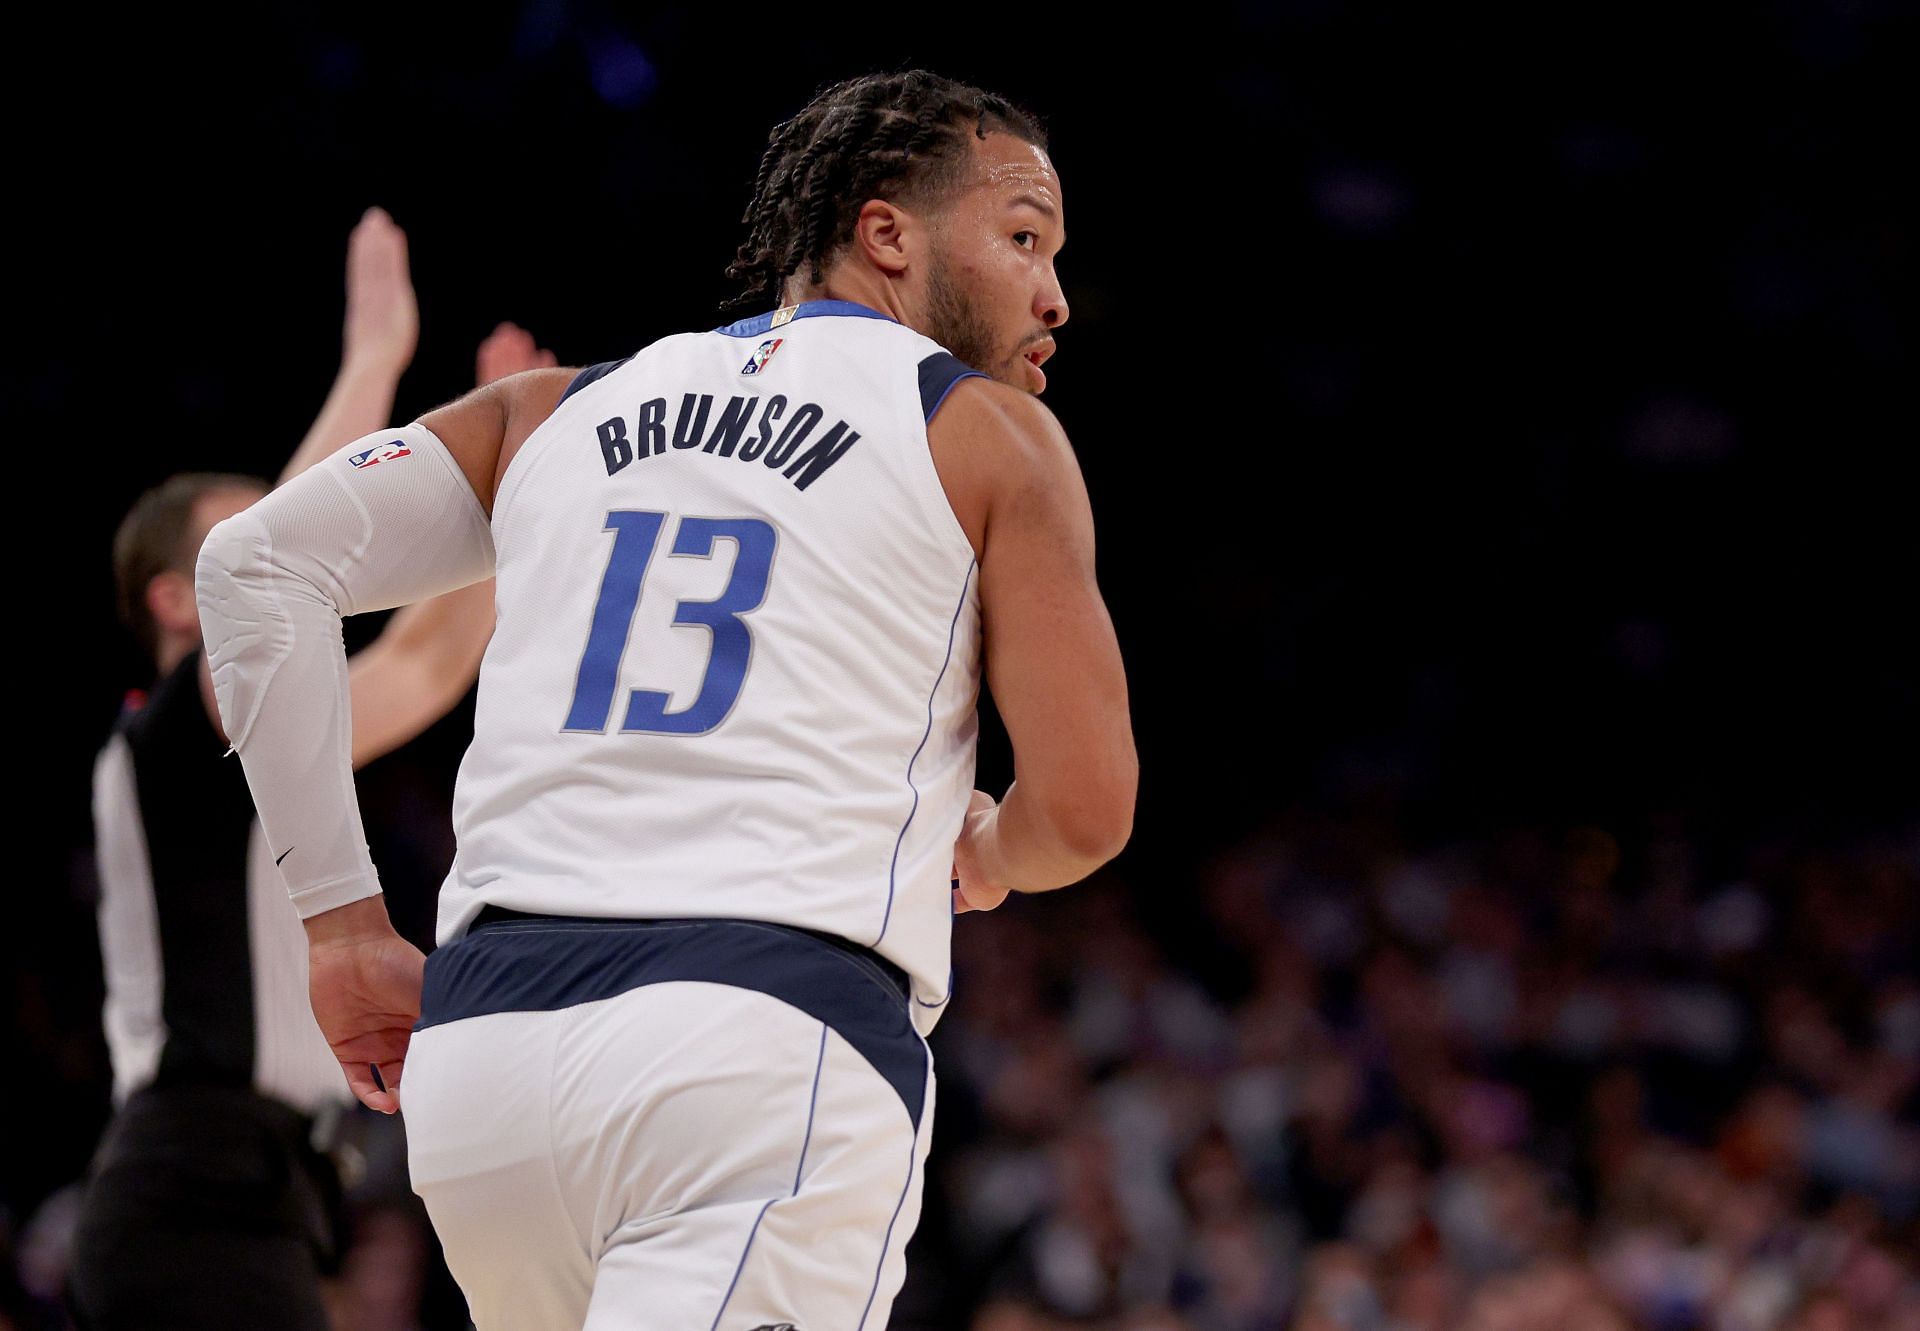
[900, 136]
[153, 539]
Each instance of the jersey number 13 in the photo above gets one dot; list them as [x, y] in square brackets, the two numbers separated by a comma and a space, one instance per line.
[635, 533]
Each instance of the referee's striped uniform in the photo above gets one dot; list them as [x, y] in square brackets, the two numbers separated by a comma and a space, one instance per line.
[208, 1204]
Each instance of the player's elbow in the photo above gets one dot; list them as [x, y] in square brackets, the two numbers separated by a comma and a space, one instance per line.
[227, 557]
[1094, 820]
[225, 547]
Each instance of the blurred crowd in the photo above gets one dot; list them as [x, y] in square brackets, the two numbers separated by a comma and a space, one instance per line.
[1517, 1087]
[1533, 1082]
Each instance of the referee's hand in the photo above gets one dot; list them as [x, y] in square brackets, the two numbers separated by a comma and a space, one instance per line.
[364, 982]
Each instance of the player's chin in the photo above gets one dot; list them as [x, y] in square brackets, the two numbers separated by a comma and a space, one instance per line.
[1022, 374]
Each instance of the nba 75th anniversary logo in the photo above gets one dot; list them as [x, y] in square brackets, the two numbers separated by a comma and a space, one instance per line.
[761, 355]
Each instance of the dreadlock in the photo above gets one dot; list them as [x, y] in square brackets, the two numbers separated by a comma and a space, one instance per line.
[900, 136]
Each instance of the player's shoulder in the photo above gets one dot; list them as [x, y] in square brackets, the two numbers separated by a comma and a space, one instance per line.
[563, 384]
[996, 447]
[541, 390]
[988, 416]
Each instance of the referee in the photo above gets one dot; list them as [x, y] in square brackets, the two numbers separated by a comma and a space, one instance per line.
[211, 1202]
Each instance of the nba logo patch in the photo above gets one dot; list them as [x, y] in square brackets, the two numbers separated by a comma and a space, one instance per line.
[393, 448]
[762, 355]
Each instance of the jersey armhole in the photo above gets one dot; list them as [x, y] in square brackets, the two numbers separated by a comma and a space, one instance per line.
[939, 375]
[514, 473]
[591, 374]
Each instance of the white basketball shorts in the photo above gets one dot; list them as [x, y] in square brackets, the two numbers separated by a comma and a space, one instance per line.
[682, 1125]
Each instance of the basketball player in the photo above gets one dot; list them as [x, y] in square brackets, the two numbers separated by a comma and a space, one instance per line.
[209, 1204]
[668, 1069]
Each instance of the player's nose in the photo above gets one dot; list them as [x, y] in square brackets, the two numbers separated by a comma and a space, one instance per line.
[1050, 304]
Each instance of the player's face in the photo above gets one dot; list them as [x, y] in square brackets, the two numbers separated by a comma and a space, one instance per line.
[992, 297]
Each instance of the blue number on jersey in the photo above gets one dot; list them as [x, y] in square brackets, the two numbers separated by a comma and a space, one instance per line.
[635, 535]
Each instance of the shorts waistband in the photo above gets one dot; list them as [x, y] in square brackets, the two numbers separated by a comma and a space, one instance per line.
[512, 961]
[491, 916]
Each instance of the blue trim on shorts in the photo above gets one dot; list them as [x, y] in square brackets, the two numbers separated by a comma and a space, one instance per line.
[913, 1162]
[514, 962]
[741, 1265]
[813, 1101]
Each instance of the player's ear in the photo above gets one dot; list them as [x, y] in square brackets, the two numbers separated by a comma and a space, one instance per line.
[170, 602]
[888, 235]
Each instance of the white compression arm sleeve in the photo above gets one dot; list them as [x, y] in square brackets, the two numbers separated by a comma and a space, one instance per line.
[388, 520]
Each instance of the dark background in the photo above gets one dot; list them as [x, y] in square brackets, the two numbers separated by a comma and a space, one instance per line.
[1488, 420]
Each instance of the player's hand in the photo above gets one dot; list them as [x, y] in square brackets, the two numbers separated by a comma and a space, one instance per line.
[509, 349]
[364, 982]
[971, 890]
[383, 319]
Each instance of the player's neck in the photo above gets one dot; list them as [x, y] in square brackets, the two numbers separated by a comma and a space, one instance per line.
[871, 291]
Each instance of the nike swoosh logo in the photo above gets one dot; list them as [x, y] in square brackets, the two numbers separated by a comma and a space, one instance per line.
[283, 854]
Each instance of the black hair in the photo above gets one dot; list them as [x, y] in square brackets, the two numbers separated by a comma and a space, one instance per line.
[900, 136]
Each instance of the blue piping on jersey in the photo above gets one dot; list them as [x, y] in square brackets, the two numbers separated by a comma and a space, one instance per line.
[761, 324]
[944, 663]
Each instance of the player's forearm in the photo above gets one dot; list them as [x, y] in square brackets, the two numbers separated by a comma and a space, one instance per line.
[360, 402]
[1027, 846]
[273, 583]
[272, 635]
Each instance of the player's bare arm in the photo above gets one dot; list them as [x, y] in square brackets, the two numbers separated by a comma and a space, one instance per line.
[1052, 660]
[484, 429]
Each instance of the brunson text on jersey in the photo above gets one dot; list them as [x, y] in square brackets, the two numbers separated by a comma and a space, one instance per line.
[775, 439]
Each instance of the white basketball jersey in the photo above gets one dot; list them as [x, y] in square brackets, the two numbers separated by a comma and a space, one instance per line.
[737, 655]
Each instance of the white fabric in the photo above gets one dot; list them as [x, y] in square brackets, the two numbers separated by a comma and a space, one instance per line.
[388, 520]
[291, 1059]
[129, 930]
[680, 1155]
[831, 792]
